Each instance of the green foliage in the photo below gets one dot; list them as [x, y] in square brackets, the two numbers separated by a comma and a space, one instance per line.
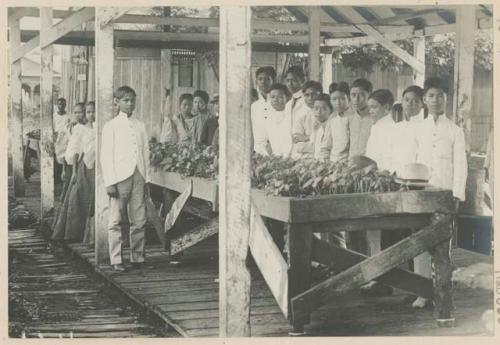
[439, 55]
[185, 159]
[275, 175]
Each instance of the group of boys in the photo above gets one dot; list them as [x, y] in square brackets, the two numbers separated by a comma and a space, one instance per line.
[292, 120]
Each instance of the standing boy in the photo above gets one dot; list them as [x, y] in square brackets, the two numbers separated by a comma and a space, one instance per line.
[441, 147]
[303, 121]
[361, 122]
[125, 164]
[274, 133]
[60, 121]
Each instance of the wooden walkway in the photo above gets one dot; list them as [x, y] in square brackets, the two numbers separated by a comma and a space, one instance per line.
[186, 297]
[63, 301]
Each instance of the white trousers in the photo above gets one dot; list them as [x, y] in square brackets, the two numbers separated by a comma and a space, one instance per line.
[130, 201]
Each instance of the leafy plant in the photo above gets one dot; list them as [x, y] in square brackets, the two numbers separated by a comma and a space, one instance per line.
[275, 175]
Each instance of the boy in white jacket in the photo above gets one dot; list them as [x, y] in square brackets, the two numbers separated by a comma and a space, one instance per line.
[125, 164]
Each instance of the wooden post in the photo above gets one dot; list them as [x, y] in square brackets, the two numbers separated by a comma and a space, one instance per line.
[16, 110]
[104, 62]
[464, 69]
[442, 279]
[299, 245]
[327, 71]
[419, 53]
[234, 173]
[46, 114]
[314, 40]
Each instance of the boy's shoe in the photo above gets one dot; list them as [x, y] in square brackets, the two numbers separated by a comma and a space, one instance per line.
[118, 268]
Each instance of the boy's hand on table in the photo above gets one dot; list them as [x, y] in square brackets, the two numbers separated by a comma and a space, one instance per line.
[112, 191]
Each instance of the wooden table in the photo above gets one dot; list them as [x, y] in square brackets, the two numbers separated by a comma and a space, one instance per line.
[428, 212]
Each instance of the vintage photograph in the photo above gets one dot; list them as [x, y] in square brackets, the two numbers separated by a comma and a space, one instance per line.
[250, 171]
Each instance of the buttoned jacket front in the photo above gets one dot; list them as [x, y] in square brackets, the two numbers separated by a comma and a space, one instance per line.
[124, 147]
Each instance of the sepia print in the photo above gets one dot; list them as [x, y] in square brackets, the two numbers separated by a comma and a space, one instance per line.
[250, 171]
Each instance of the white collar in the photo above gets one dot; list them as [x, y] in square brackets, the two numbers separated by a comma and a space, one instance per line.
[123, 116]
[297, 94]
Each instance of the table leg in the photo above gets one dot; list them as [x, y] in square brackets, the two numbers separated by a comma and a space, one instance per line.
[299, 243]
[442, 275]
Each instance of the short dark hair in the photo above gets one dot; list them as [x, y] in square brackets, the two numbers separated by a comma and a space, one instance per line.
[364, 84]
[124, 90]
[435, 83]
[383, 96]
[325, 98]
[92, 103]
[61, 99]
[278, 86]
[202, 94]
[417, 90]
[269, 70]
[314, 84]
[296, 70]
[341, 86]
[185, 96]
[254, 93]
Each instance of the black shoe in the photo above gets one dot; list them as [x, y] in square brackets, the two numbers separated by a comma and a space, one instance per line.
[118, 268]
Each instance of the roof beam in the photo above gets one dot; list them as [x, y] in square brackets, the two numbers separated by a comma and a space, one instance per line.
[57, 31]
[110, 14]
[416, 64]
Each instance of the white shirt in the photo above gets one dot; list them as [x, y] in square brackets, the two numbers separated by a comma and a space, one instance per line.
[276, 129]
[124, 147]
[258, 112]
[381, 142]
[302, 123]
[60, 122]
[89, 143]
[75, 143]
[441, 146]
[335, 146]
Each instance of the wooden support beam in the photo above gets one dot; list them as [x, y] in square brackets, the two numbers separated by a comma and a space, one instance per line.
[110, 14]
[177, 207]
[372, 267]
[194, 236]
[341, 259]
[46, 116]
[155, 220]
[16, 110]
[314, 42]
[419, 53]
[234, 171]
[464, 70]
[104, 61]
[53, 33]
[269, 259]
[392, 222]
[327, 71]
[442, 278]
[393, 48]
[299, 249]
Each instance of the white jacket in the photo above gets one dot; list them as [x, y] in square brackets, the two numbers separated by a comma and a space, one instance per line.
[441, 146]
[124, 147]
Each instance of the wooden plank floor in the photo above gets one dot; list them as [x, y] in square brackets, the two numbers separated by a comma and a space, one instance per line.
[186, 297]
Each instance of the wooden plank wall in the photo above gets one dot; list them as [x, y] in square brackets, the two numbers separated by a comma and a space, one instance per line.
[130, 61]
